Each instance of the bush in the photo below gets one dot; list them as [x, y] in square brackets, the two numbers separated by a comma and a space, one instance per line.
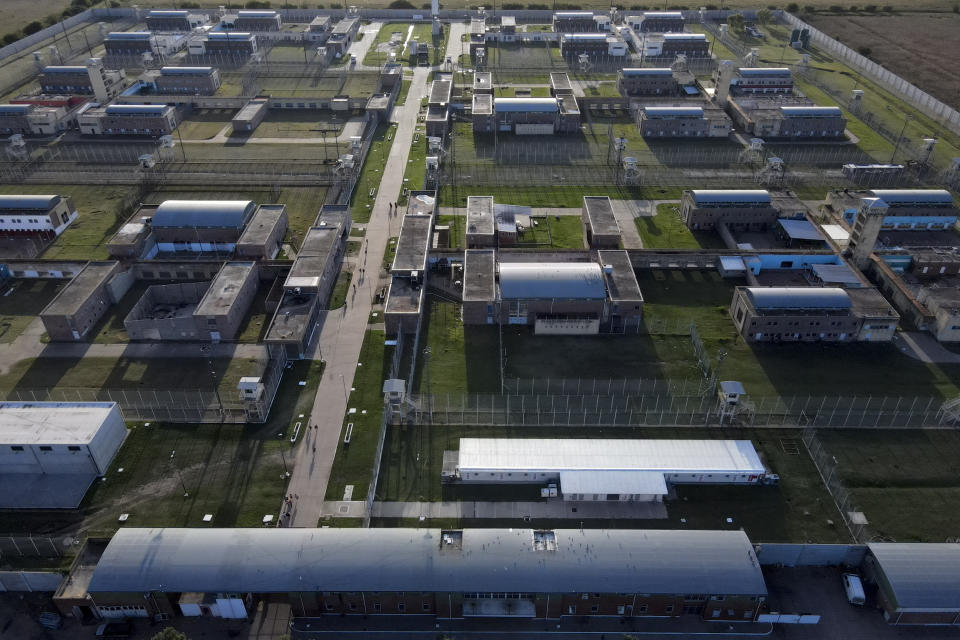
[712, 7]
[10, 38]
[257, 4]
[772, 7]
[401, 4]
[50, 20]
[511, 6]
[865, 51]
[870, 8]
[32, 28]
[854, 8]
[538, 7]
[793, 7]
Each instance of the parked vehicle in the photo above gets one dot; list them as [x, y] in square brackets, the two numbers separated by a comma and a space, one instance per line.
[50, 620]
[854, 588]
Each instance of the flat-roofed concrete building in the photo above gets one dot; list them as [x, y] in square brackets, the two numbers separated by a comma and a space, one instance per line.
[621, 470]
[624, 298]
[77, 308]
[82, 80]
[683, 122]
[482, 82]
[478, 35]
[916, 582]
[309, 283]
[603, 232]
[409, 270]
[593, 44]
[165, 312]
[319, 29]
[342, 35]
[786, 117]
[657, 22]
[130, 43]
[257, 20]
[175, 20]
[15, 119]
[438, 106]
[440, 574]
[223, 307]
[481, 113]
[51, 452]
[129, 120]
[560, 85]
[36, 215]
[671, 45]
[647, 81]
[225, 44]
[574, 22]
[761, 80]
[744, 209]
[811, 122]
[480, 286]
[250, 115]
[199, 226]
[812, 314]
[263, 235]
[481, 222]
[905, 209]
[199, 81]
[526, 116]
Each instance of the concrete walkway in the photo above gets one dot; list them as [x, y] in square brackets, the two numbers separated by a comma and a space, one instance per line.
[344, 329]
[924, 347]
[360, 47]
[550, 509]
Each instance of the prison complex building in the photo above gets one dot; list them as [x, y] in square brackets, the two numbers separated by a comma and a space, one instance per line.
[813, 314]
[603, 232]
[917, 583]
[408, 279]
[560, 85]
[197, 81]
[438, 106]
[224, 44]
[483, 82]
[175, 20]
[647, 81]
[198, 226]
[771, 118]
[342, 35]
[130, 43]
[51, 452]
[263, 235]
[79, 305]
[458, 574]
[129, 119]
[250, 115]
[46, 216]
[525, 116]
[478, 35]
[310, 282]
[558, 298]
[255, 21]
[682, 122]
[574, 22]
[671, 45]
[15, 119]
[82, 80]
[618, 470]
[318, 30]
[657, 22]
[905, 209]
[742, 209]
[223, 307]
[761, 80]
[593, 44]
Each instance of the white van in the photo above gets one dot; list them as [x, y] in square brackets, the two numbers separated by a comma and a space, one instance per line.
[854, 589]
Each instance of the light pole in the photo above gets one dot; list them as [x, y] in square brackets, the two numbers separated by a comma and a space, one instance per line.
[346, 398]
[896, 147]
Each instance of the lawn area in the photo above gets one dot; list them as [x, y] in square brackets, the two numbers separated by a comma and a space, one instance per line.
[203, 124]
[402, 94]
[312, 85]
[102, 209]
[462, 358]
[21, 301]
[795, 511]
[128, 373]
[354, 462]
[303, 203]
[565, 196]
[906, 482]
[338, 297]
[378, 54]
[558, 232]
[667, 231]
[234, 472]
[361, 202]
[300, 123]
[531, 92]
[416, 171]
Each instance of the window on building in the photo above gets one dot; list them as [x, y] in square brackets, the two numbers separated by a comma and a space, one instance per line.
[46, 448]
[73, 447]
[16, 447]
[642, 608]
[401, 607]
[668, 608]
[376, 605]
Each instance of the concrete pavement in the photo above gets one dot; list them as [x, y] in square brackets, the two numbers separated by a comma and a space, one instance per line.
[341, 337]
[924, 347]
[550, 509]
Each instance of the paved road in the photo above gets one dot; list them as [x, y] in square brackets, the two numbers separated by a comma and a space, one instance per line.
[924, 347]
[344, 329]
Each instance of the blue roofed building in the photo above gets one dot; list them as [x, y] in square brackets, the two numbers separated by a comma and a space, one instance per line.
[198, 226]
[682, 122]
[128, 119]
[740, 209]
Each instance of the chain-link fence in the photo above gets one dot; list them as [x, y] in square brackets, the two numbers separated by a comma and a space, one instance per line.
[827, 467]
[30, 546]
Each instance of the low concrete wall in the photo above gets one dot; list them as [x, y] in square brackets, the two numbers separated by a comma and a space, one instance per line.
[42, 581]
[811, 555]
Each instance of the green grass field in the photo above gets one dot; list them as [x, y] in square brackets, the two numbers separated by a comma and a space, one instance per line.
[361, 202]
[233, 472]
[203, 124]
[557, 232]
[102, 209]
[21, 302]
[795, 511]
[564, 196]
[300, 123]
[354, 462]
[667, 231]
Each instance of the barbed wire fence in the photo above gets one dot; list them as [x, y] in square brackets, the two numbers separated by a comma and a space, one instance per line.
[827, 468]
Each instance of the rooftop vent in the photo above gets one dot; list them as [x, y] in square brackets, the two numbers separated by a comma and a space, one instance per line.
[544, 540]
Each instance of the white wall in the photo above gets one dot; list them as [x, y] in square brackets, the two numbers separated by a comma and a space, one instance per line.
[108, 440]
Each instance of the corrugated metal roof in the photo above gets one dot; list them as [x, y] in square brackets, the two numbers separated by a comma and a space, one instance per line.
[622, 482]
[799, 229]
[129, 35]
[806, 112]
[551, 280]
[15, 108]
[904, 196]
[798, 297]
[921, 575]
[186, 71]
[127, 109]
[33, 202]
[732, 264]
[64, 69]
[672, 15]
[598, 454]
[262, 560]
[647, 71]
[673, 112]
[714, 196]
[684, 36]
[227, 214]
[764, 71]
[504, 105]
[835, 273]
